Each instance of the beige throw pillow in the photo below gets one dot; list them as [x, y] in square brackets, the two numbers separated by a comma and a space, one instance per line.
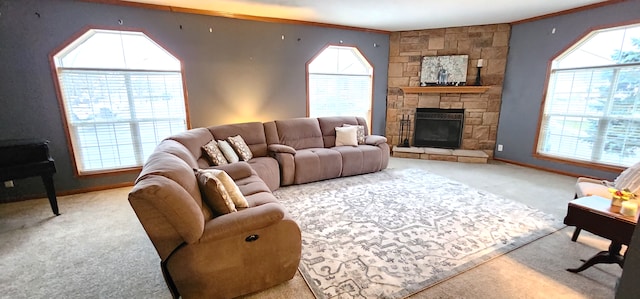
[361, 136]
[347, 136]
[228, 151]
[241, 147]
[213, 152]
[215, 195]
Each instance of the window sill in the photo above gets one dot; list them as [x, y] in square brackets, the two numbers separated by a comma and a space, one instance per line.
[579, 163]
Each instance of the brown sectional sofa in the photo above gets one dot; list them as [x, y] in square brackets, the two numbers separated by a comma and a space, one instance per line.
[205, 255]
[305, 149]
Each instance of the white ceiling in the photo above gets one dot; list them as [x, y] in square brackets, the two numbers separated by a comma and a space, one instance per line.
[387, 15]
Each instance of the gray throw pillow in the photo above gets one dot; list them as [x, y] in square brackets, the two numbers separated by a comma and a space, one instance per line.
[228, 151]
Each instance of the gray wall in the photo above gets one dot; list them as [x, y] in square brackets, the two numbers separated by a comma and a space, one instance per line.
[532, 46]
[242, 71]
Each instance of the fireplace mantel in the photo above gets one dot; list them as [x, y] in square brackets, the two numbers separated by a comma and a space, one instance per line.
[445, 89]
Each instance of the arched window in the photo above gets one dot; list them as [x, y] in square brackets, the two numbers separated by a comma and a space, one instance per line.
[592, 105]
[340, 84]
[122, 94]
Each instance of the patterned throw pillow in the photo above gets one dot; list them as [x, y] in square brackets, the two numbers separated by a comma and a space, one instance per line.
[213, 152]
[346, 136]
[234, 192]
[228, 152]
[215, 195]
[361, 136]
[629, 179]
[241, 147]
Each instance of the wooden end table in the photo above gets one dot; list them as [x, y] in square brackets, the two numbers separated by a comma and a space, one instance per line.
[596, 215]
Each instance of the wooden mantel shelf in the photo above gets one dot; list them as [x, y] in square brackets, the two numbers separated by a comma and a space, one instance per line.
[445, 89]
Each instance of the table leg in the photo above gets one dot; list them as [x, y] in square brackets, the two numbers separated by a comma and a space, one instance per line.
[610, 256]
[47, 179]
[576, 233]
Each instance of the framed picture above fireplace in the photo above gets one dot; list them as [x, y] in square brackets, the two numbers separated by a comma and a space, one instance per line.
[448, 70]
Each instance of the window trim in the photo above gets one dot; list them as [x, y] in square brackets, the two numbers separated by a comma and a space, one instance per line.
[568, 161]
[373, 68]
[61, 105]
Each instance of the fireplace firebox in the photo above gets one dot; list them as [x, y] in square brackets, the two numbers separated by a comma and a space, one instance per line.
[440, 128]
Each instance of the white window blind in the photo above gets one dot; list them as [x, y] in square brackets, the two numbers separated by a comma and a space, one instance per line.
[340, 95]
[117, 116]
[340, 84]
[592, 109]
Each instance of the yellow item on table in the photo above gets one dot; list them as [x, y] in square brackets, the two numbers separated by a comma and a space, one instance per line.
[629, 208]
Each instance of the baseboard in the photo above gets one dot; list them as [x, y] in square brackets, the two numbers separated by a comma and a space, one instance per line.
[540, 168]
[67, 192]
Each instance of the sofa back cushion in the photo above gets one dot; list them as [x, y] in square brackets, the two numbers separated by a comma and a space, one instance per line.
[193, 140]
[271, 132]
[252, 133]
[179, 150]
[328, 127]
[299, 133]
[177, 170]
[167, 212]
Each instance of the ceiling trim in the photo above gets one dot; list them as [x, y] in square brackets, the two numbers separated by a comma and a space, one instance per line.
[318, 24]
[232, 15]
[568, 11]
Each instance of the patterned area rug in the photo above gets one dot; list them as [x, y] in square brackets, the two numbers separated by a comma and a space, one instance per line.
[393, 233]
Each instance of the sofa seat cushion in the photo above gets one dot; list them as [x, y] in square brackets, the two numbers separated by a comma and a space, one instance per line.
[261, 198]
[360, 159]
[255, 190]
[268, 170]
[251, 185]
[315, 164]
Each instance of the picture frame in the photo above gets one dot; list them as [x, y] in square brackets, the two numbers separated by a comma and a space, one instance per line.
[448, 70]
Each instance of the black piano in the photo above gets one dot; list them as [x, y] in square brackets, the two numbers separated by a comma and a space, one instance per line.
[23, 158]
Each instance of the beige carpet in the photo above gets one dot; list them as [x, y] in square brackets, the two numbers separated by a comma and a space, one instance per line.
[97, 248]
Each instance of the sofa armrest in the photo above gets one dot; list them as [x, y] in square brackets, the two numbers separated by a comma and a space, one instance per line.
[236, 171]
[375, 139]
[242, 222]
[285, 155]
[281, 148]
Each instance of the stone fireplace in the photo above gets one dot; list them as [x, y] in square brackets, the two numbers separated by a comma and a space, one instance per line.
[439, 128]
[481, 108]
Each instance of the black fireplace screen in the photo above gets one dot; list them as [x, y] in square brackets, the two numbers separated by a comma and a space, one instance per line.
[441, 128]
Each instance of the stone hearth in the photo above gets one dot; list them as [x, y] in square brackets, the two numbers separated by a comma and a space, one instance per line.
[482, 109]
[441, 154]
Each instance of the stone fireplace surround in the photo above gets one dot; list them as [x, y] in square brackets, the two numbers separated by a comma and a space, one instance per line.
[489, 42]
